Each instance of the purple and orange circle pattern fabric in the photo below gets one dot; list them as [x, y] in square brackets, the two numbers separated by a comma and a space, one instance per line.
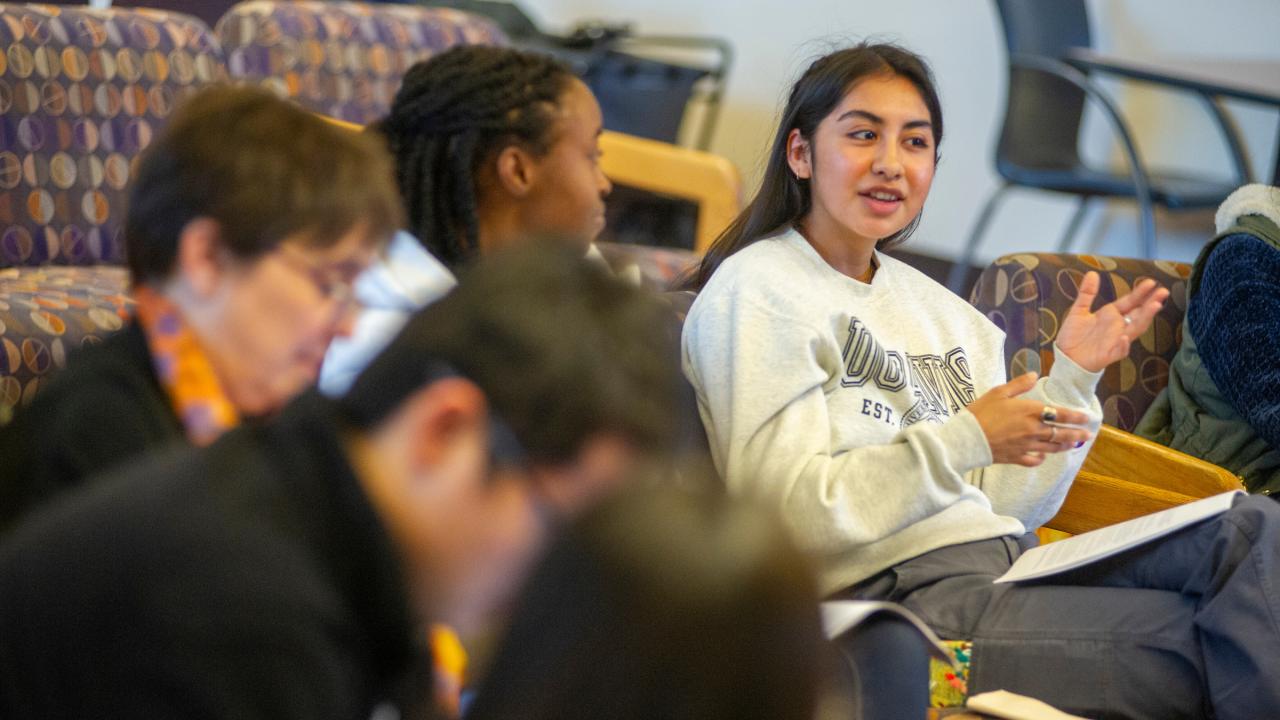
[1027, 295]
[48, 312]
[82, 92]
[342, 59]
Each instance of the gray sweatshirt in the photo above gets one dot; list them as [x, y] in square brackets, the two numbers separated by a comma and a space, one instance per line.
[842, 404]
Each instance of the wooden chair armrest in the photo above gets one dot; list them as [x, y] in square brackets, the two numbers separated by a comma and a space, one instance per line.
[1126, 456]
[1097, 501]
[710, 181]
[1126, 476]
[344, 124]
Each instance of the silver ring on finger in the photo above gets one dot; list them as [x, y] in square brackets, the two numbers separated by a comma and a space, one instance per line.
[1053, 434]
[1127, 320]
[1048, 415]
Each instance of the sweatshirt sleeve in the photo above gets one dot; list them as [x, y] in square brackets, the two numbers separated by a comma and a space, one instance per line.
[1033, 495]
[760, 379]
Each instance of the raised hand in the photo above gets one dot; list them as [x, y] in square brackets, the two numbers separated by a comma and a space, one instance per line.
[1094, 340]
[1015, 428]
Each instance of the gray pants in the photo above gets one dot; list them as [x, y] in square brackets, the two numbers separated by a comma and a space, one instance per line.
[1184, 627]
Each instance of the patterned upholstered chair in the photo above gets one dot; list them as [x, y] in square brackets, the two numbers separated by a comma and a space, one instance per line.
[1124, 476]
[341, 59]
[82, 93]
[1026, 296]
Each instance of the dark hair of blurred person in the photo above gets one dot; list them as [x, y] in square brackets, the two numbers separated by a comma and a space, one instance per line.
[664, 605]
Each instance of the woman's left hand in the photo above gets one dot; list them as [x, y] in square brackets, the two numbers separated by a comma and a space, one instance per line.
[1094, 340]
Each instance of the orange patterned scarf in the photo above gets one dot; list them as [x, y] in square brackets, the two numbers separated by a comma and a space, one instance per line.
[195, 394]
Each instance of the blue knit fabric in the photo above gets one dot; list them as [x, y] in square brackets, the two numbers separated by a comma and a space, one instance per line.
[1235, 319]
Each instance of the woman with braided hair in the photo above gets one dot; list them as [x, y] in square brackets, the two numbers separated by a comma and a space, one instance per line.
[492, 147]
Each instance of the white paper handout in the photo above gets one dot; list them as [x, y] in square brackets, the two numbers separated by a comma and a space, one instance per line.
[1081, 550]
[838, 616]
[1007, 705]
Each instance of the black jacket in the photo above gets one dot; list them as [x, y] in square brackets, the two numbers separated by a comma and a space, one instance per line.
[104, 408]
[251, 579]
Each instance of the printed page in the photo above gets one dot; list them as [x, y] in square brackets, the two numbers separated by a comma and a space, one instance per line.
[1010, 706]
[838, 616]
[1081, 550]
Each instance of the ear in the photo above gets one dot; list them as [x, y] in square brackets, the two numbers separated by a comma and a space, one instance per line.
[517, 171]
[201, 260]
[447, 429]
[798, 155]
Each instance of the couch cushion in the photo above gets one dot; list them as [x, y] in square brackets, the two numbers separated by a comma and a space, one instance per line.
[48, 312]
[82, 92]
[1026, 295]
[342, 59]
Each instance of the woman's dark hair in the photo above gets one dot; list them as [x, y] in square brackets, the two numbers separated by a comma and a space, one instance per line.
[783, 199]
[662, 604]
[453, 112]
[265, 169]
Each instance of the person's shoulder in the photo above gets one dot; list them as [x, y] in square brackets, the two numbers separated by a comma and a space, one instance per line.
[766, 257]
[120, 358]
[773, 272]
[112, 383]
[1244, 253]
[202, 556]
[105, 403]
[916, 293]
[161, 521]
[1235, 283]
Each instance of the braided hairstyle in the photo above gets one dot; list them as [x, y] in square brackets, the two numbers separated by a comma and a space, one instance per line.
[454, 112]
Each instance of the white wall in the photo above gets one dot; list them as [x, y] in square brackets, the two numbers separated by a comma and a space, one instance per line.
[961, 38]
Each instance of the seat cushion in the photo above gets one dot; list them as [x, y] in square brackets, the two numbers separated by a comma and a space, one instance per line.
[342, 59]
[83, 91]
[1027, 295]
[48, 312]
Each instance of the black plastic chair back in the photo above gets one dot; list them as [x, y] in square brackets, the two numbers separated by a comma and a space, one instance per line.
[1037, 27]
[1043, 113]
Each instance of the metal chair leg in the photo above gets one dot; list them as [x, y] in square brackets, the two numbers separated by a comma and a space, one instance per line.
[955, 278]
[1148, 226]
[1065, 243]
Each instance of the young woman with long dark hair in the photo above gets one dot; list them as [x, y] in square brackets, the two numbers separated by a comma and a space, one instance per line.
[871, 406]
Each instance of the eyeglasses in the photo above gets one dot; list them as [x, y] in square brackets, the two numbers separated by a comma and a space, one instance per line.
[330, 283]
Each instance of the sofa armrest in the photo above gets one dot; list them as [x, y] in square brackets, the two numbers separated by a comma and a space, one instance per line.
[710, 181]
[1126, 476]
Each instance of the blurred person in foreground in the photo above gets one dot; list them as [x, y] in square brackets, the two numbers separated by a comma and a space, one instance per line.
[663, 604]
[288, 570]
